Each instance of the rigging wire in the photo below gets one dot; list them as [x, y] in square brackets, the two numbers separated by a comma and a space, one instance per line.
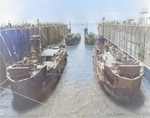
[43, 34]
[3, 82]
[13, 47]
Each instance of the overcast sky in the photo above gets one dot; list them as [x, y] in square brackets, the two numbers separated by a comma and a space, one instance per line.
[64, 11]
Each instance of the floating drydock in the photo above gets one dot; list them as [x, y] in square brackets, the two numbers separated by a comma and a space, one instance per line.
[119, 73]
[38, 71]
[73, 39]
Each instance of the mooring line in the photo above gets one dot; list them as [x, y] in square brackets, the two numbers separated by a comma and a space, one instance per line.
[3, 82]
[25, 97]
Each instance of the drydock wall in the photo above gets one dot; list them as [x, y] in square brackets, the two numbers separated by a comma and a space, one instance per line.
[14, 43]
[134, 39]
[51, 33]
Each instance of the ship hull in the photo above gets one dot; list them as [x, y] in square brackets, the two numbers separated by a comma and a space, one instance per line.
[39, 86]
[29, 88]
[54, 75]
[72, 41]
[118, 86]
[89, 41]
[125, 94]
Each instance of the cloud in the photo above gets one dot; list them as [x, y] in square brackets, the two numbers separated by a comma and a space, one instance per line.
[10, 11]
[64, 11]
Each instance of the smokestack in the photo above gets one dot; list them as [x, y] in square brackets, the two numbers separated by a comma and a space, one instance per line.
[85, 31]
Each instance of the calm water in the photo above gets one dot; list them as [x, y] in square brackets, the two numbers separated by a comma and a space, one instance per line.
[77, 94]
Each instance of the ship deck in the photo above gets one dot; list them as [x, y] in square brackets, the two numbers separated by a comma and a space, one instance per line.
[111, 61]
[109, 58]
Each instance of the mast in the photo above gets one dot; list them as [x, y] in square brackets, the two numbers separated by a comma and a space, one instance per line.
[86, 25]
[38, 24]
[69, 30]
[103, 26]
[86, 30]
[70, 24]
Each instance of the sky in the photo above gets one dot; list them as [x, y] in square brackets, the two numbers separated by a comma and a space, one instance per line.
[76, 11]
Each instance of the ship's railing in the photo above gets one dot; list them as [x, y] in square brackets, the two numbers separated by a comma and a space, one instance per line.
[129, 71]
[18, 73]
